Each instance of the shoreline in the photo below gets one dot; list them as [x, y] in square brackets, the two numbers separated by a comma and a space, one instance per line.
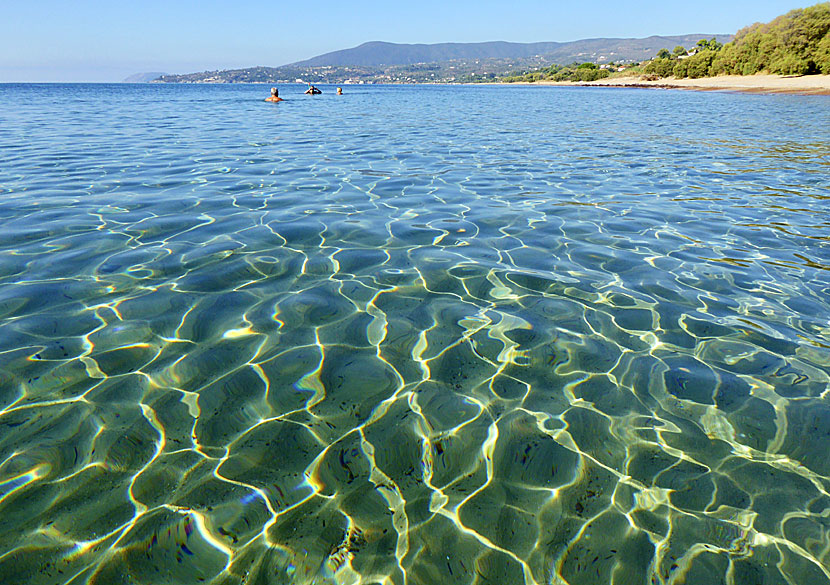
[762, 83]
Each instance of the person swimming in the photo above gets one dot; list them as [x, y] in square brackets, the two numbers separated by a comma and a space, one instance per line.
[312, 90]
[275, 96]
[339, 91]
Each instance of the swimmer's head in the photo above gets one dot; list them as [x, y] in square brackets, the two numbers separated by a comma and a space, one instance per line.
[274, 92]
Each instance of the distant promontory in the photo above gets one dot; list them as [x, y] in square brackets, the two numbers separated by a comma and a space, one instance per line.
[143, 77]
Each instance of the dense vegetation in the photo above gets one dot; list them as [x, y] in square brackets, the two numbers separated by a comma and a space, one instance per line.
[681, 63]
[797, 43]
[575, 72]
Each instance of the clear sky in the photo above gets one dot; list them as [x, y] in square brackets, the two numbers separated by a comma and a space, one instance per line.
[107, 40]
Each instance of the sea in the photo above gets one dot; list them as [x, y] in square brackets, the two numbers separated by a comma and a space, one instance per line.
[413, 335]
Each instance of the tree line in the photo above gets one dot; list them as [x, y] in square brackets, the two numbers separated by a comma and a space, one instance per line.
[796, 43]
[573, 72]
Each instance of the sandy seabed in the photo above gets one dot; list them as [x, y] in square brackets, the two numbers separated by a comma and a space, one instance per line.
[807, 84]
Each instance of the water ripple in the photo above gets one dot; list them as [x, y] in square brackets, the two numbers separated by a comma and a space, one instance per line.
[413, 335]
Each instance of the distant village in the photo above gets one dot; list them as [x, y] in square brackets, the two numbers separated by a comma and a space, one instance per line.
[460, 71]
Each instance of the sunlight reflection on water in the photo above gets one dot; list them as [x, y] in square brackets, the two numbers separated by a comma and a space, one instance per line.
[413, 335]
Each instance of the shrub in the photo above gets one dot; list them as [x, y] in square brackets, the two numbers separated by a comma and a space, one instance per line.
[822, 55]
[699, 65]
[792, 44]
[660, 66]
[583, 72]
[725, 62]
[789, 65]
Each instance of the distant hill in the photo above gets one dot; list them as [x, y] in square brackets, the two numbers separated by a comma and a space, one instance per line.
[376, 53]
[380, 62]
[143, 77]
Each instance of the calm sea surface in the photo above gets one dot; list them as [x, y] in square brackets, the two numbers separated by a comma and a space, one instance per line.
[413, 335]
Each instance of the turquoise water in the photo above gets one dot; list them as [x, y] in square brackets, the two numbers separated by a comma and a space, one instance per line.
[413, 335]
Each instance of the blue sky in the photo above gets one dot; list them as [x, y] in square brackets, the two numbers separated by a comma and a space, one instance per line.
[97, 40]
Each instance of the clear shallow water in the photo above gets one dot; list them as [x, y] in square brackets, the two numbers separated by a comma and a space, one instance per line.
[413, 335]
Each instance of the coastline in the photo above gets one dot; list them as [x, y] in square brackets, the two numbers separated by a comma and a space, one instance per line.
[762, 83]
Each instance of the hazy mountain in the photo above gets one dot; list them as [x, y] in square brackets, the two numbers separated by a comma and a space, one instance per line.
[143, 77]
[378, 53]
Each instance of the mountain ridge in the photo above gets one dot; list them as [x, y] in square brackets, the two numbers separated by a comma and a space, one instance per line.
[379, 53]
[366, 55]
[385, 62]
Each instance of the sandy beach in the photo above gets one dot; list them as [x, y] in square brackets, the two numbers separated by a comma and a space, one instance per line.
[808, 84]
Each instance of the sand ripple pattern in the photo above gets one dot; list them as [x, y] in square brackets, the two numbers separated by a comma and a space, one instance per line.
[582, 338]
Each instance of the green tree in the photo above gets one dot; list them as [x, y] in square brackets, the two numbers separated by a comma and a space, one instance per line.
[663, 54]
[679, 51]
